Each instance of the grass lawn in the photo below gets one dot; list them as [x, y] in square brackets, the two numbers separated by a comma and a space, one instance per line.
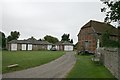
[85, 68]
[27, 59]
[0, 61]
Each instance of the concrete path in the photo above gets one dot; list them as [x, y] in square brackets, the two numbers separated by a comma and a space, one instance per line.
[55, 69]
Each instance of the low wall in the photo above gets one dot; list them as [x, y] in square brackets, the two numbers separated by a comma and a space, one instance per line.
[110, 58]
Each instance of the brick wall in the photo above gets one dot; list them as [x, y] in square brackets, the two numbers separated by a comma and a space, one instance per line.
[111, 59]
[87, 34]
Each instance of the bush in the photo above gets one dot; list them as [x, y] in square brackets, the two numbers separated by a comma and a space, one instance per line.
[107, 42]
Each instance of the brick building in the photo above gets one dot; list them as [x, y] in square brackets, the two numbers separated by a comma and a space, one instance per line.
[91, 32]
[19, 45]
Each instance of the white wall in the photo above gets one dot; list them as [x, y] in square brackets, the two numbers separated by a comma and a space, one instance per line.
[23, 46]
[13, 47]
[49, 47]
[29, 46]
[68, 48]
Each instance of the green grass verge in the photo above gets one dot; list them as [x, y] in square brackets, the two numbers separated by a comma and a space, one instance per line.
[27, 59]
[0, 61]
[85, 68]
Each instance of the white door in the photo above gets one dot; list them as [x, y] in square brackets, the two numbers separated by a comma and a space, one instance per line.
[29, 46]
[23, 46]
[49, 47]
[68, 48]
[13, 47]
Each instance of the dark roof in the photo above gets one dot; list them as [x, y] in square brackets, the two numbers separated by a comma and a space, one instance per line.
[41, 42]
[29, 42]
[20, 41]
[63, 43]
[101, 27]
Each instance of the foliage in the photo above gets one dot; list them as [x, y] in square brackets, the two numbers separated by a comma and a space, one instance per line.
[51, 39]
[2, 40]
[107, 42]
[40, 39]
[85, 68]
[71, 41]
[75, 46]
[105, 38]
[112, 10]
[27, 59]
[65, 37]
[32, 38]
[14, 35]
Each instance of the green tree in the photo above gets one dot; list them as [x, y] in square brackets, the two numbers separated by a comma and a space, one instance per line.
[71, 41]
[112, 10]
[105, 38]
[107, 42]
[32, 38]
[51, 39]
[14, 35]
[2, 40]
[65, 37]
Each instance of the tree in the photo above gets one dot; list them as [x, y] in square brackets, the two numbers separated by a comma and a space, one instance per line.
[14, 35]
[112, 10]
[2, 40]
[32, 38]
[107, 42]
[71, 41]
[105, 38]
[40, 39]
[65, 37]
[51, 39]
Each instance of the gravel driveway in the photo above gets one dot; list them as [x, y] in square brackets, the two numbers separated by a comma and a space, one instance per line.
[55, 69]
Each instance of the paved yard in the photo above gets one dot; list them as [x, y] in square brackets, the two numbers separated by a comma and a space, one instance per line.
[55, 69]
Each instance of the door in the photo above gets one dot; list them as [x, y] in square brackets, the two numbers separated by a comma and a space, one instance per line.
[68, 48]
[29, 46]
[86, 45]
[13, 47]
[23, 46]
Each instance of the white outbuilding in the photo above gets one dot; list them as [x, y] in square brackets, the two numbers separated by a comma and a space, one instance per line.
[68, 46]
[64, 46]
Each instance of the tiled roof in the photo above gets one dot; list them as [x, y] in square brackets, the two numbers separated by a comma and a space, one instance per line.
[101, 27]
[29, 42]
[63, 43]
[20, 41]
[41, 42]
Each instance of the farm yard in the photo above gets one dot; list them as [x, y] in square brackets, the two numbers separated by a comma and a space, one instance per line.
[27, 59]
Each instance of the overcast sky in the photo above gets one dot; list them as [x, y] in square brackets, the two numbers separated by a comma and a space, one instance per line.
[39, 17]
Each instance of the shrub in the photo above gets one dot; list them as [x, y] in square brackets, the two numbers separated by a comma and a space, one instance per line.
[107, 42]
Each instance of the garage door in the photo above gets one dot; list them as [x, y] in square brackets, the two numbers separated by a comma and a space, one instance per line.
[68, 48]
[23, 46]
[29, 46]
[13, 47]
